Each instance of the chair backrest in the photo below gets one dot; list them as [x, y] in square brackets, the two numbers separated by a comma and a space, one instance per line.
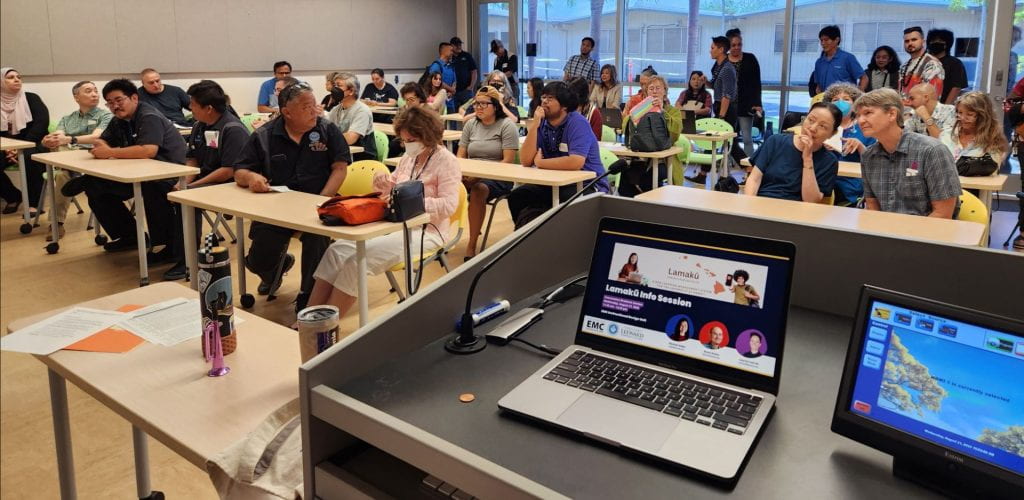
[523, 112]
[248, 119]
[684, 144]
[359, 178]
[459, 217]
[607, 157]
[791, 119]
[972, 209]
[52, 127]
[611, 117]
[711, 125]
[607, 134]
[381, 139]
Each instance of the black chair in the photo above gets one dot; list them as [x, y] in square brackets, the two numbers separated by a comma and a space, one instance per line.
[791, 119]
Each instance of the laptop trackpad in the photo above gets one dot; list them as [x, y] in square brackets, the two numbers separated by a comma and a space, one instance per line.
[620, 422]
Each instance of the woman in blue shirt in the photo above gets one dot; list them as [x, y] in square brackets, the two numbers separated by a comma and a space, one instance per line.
[843, 95]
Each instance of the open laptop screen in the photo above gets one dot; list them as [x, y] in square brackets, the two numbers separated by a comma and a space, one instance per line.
[719, 299]
[944, 380]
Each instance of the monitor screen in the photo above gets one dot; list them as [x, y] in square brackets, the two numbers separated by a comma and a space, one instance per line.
[689, 296]
[950, 382]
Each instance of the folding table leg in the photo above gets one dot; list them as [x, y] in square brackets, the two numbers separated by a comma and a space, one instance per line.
[140, 233]
[62, 435]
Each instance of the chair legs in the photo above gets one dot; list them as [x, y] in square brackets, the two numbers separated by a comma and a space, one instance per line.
[395, 287]
[490, 218]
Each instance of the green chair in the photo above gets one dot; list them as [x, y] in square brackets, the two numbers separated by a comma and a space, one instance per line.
[381, 139]
[52, 127]
[703, 157]
[400, 103]
[608, 134]
[607, 158]
[248, 119]
[523, 112]
[677, 166]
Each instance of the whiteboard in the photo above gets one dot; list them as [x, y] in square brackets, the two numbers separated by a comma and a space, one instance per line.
[89, 37]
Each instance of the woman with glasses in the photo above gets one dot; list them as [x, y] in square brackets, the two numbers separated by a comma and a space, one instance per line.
[497, 81]
[23, 117]
[487, 135]
[507, 64]
[427, 160]
[976, 139]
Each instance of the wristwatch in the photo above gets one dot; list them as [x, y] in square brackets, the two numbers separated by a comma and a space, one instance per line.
[74, 140]
[930, 122]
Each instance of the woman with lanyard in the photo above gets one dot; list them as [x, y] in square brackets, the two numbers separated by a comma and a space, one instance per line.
[426, 159]
[24, 117]
[884, 69]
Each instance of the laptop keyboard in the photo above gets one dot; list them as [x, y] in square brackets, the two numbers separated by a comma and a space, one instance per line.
[705, 404]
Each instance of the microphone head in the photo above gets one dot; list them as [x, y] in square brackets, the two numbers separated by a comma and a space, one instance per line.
[618, 167]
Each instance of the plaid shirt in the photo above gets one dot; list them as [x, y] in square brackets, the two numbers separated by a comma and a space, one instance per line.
[578, 66]
[908, 180]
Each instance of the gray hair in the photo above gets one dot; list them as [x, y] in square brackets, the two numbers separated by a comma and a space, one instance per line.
[885, 99]
[506, 89]
[839, 88]
[348, 81]
[78, 86]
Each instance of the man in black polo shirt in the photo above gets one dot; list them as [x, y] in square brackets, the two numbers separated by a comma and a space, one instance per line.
[137, 131]
[167, 99]
[214, 147]
[465, 72]
[304, 152]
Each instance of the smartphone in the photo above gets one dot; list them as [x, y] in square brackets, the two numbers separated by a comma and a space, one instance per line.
[728, 280]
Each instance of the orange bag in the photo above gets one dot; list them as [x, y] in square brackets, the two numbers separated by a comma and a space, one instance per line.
[352, 210]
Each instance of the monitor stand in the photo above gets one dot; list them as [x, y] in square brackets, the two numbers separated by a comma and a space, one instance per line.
[949, 478]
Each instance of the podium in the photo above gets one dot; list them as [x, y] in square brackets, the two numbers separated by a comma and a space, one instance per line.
[381, 410]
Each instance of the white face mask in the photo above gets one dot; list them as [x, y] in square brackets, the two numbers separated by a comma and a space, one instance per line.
[413, 148]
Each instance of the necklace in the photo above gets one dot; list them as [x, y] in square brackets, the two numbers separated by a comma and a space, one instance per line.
[905, 75]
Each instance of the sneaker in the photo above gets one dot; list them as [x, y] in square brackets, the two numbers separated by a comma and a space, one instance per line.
[178, 272]
[11, 208]
[268, 288]
[73, 187]
[121, 244]
[700, 178]
[301, 301]
[60, 232]
[161, 257]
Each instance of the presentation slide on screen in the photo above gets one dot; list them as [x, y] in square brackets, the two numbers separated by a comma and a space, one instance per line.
[694, 275]
[968, 398]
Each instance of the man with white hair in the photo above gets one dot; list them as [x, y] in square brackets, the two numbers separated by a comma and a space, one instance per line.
[354, 118]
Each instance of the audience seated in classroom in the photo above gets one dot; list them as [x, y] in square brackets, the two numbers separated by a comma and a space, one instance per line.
[607, 92]
[497, 81]
[25, 118]
[848, 190]
[488, 135]
[581, 87]
[696, 91]
[558, 138]
[266, 101]
[278, 86]
[379, 93]
[329, 101]
[652, 125]
[641, 93]
[797, 166]
[79, 127]
[426, 159]
[929, 116]
[272, 156]
[903, 172]
[533, 89]
[975, 135]
[354, 118]
[437, 95]
[169, 100]
[137, 131]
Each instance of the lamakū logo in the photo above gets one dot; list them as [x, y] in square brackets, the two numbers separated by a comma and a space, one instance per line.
[613, 328]
[314, 136]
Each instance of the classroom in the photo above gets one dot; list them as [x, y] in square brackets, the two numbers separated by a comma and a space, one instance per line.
[341, 249]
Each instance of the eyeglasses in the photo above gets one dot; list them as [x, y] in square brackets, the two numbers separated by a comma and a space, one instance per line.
[117, 101]
[292, 91]
[482, 104]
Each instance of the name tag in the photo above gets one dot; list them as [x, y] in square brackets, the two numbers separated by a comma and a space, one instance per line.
[317, 146]
[563, 147]
[91, 122]
[212, 138]
[911, 172]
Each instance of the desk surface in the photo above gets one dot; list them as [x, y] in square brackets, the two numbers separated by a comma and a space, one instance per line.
[165, 391]
[115, 170]
[710, 136]
[294, 210]
[622, 150]
[512, 172]
[884, 223]
[797, 457]
[7, 143]
[987, 183]
[389, 129]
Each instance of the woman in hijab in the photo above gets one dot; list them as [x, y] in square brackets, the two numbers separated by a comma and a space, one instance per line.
[23, 116]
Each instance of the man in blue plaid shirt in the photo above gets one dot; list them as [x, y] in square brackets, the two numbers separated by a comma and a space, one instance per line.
[582, 65]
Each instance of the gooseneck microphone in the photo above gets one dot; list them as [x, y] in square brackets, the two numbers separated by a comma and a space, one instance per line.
[466, 342]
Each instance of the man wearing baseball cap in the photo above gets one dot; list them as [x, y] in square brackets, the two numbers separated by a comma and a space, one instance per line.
[465, 72]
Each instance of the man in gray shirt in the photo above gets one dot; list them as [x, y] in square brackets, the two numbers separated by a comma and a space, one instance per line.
[354, 118]
[903, 172]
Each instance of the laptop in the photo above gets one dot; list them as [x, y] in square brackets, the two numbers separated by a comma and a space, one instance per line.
[612, 117]
[681, 368]
[635, 277]
[689, 122]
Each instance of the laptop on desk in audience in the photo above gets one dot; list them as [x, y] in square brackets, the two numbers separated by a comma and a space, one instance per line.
[612, 117]
[680, 368]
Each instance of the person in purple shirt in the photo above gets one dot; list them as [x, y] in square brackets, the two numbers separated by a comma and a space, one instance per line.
[835, 64]
[558, 138]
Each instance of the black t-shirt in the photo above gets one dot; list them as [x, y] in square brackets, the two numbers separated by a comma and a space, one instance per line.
[147, 127]
[463, 64]
[956, 75]
[305, 166]
[507, 63]
[218, 145]
[372, 93]
[170, 102]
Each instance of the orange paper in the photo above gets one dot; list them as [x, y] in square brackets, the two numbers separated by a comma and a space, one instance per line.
[113, 340]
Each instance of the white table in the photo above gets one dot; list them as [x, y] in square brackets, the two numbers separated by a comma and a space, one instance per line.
[133, 172]
[654, 158]
[714, 138]
[20, 146]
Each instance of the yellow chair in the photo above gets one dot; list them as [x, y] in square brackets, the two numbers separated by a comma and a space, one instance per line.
[972, 209]
[359, 179]
[459, 219]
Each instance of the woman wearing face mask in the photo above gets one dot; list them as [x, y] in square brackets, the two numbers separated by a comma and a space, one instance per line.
[975, 136]
[884, 69]
[329, 102]
[24, 117]
[497, 81]
[843, 95]
[425, 159]
[798, 167]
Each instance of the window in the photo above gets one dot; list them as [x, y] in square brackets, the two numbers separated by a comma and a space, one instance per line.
[558, 26]
[805, 37]
[666, 40]
[869, 36]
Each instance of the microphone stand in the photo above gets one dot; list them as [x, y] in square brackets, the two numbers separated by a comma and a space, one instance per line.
[467, 342]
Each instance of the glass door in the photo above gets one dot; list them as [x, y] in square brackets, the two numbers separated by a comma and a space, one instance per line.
[495, 23]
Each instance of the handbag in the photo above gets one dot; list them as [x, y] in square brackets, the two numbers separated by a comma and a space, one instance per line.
[976, 166]
[352, 210]
[407, 198]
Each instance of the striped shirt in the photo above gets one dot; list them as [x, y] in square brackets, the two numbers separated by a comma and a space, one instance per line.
[724, 81]
[584, 67]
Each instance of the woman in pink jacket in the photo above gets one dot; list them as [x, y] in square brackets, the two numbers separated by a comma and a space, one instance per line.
[425, 159]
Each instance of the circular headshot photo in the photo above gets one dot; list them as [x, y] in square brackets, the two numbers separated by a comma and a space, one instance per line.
[751, 344]
[679, 328]
[714, 335]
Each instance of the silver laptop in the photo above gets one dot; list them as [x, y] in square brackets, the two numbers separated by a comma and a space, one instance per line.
[680, 368]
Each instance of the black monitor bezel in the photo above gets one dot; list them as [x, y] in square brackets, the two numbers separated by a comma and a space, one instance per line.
[682, 363]
[891, 440]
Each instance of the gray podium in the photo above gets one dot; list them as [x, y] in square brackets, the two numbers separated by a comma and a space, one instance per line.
[380, 410]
